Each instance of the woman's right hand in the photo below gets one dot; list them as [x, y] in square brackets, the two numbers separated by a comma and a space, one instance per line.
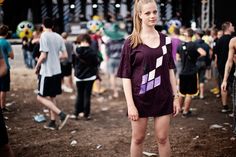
[133, 113]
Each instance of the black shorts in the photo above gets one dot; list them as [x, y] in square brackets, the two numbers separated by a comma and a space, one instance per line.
[3, 131]
[5, 82]
[201, 74]
[66, 68]
[188, 84]
[50, 85]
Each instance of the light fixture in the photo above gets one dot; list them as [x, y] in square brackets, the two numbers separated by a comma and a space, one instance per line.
[95, 5]
[117, 5]
[72, 6]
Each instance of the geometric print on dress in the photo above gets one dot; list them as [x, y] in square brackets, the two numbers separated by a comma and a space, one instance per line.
[149, 81]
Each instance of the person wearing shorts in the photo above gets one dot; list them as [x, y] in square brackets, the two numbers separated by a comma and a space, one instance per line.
[66, 65]
[221, 51]
[188, 52]
[7, 53]
[5, 149]
[52, 48]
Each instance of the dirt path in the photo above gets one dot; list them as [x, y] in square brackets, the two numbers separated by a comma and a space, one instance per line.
[108, 134]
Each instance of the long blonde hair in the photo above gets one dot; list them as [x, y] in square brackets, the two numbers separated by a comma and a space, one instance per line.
[135, 35]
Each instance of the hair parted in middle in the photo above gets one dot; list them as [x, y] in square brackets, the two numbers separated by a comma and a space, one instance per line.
[137, 22]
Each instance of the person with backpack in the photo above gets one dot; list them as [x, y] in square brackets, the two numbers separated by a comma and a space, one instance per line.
[188, 52]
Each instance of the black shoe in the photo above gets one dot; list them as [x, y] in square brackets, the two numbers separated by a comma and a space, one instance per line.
[186, 115]
[51, 126]
[88, 118]
[64, 119]
[225, 109]
[5, 110]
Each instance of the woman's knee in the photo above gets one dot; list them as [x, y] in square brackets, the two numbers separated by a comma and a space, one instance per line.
[162, 139]
[138, 139]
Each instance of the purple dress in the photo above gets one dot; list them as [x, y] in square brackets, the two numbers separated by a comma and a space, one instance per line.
[148, 69]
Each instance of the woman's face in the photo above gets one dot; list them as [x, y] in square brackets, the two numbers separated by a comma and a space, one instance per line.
[148, 14]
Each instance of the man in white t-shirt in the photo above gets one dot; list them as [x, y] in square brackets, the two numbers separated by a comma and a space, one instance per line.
[52, 48]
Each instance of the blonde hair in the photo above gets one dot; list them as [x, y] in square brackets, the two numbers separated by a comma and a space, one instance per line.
[135, 37]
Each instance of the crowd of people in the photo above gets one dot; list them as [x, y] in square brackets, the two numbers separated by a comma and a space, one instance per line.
[175, 66]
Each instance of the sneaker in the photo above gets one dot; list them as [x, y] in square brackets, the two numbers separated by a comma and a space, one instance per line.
[225, 109]
[64, 119]
[73, 117]
[51, 126]
[201, 97]
[81, 114]
[186, 115]
[5, 109]
[67, 89]
[88, 118]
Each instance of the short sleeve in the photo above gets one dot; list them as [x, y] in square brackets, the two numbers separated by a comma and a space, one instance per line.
[171, 63]
[8, 47]
[124, 70]
[63, 46]
[179, 48]
[43, 44]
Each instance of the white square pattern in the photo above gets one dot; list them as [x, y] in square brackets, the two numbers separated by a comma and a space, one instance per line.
[164, 49]
[159, 61]
[168, 40]
[151, 75]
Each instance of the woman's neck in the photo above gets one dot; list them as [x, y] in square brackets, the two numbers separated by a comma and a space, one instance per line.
[146, 31]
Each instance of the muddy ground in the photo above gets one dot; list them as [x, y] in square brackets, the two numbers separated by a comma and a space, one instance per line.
[108, 134]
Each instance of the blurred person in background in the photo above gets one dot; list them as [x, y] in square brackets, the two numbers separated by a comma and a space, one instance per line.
[188, 52]
[7, 53]
[113, 50]
[66, 65]
[203, 62]
[86, 63]
[5, 148]
[229, 64]
[221, 50]
[52, 49]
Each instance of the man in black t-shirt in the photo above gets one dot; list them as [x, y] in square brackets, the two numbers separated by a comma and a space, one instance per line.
[188, 53]
[221, 50]
[202, 62]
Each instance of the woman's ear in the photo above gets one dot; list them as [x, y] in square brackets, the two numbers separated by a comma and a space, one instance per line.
[140, 15]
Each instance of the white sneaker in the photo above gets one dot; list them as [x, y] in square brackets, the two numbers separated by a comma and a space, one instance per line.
[67, 89]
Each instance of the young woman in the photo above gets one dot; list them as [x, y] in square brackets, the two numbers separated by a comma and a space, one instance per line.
[148, 78]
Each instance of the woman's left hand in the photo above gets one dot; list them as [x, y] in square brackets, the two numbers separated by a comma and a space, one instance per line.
[176, 107]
